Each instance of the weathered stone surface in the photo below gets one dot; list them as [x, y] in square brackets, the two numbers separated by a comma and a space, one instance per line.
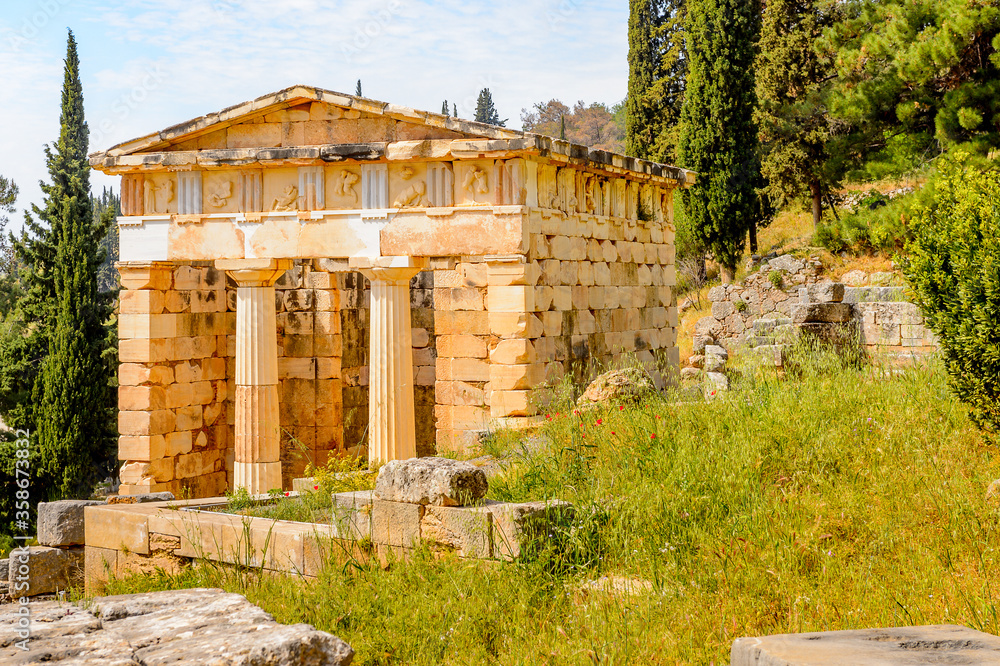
[786, 263]
[437, 481]
[618, 386]
[467, 531]
[716, 350]
[826, 313]
[142, 498]
[690, 373]
[702, 341]
[352, 514]
[61, 523]
[515, 526]
[835, 334]
[708, 326]
[825, 292]
[854, 278]
[715, 383]
[714, 364]
[935, 644]
[48, 570]
[159, 628]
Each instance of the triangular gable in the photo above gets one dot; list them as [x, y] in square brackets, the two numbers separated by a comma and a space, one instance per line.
[303, 116]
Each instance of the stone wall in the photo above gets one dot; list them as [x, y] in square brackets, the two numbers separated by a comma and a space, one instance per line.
[747, 314]
[172, 396]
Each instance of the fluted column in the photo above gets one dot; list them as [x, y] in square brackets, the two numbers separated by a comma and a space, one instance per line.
[258, 440]
[391, 426]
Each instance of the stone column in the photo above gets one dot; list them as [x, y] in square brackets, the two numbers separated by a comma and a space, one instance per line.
[391, 426]
[258, 440]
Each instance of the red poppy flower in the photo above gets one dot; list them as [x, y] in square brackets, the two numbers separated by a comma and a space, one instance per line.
[287, 494]
[621, 408]
[600, 421]
[652, 436]
[315, 487]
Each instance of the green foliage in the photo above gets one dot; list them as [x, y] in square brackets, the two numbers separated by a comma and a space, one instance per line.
[657, 73]
[718, 134]
[924, 69]
[776, 279]
[792, 81]
[486, 112]
[445, 109]
[357, 89]
[954, 271]
[861, 506]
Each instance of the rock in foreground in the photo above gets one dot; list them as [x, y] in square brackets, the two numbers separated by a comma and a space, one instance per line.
[433, 481]
[175, 627]
[618, 386]
[935, 644]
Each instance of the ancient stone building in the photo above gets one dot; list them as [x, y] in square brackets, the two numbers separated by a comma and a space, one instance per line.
[311, 272]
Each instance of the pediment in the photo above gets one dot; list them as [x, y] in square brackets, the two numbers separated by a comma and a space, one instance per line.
[301, 116]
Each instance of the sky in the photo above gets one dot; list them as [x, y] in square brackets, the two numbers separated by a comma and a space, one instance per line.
[149, 64]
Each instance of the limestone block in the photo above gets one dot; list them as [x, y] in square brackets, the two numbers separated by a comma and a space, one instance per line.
[468, 370]
[510, 352]
[516, 377]
[46, 570]
[714, 364]
[569, 273]
[825, 292]
[507, 404]
[551, 324]
[435, 481]
[106, 527]
[551, 272]
[516, 526]
[899, 645]
[561, 247]
[144, 350]
[602, 274]
[135, 374]
[610, 251]
[511, 299]
[352, 514]
[157, 422]
[722, 309]
[461, 346]
[141, 302]
[715, 382]
[458, 393]
[461, 323]
[831, 313]
[515, 325]
[467, 531]
[61, 523]
[396, 523]
[510, 275]
[562, 298]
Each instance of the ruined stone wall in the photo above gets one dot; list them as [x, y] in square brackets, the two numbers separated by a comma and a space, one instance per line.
[172, 394]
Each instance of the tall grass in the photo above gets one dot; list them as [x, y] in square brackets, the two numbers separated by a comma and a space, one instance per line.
[835, 499]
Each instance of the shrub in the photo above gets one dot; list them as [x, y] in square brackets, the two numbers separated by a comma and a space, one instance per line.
[776, 279]
[954, 271]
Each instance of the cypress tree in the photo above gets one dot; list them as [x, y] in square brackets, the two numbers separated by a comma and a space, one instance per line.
[718, 133]
[454, 110]
[73, 399]
[562, 127]
[657, 76]
[486, 112]
[791, 86]
[357, 89]
[445, 111]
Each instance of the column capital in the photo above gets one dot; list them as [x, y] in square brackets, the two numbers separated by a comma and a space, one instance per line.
[254, 272]
[390, 275]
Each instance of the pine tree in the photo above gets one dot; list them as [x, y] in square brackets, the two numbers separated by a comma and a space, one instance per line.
[657, 76]
[72, 395]
[8, 196]
[914, 77]
[357, 90]
[486, 112]
[445, 111]
[718, 134]
[792, 83]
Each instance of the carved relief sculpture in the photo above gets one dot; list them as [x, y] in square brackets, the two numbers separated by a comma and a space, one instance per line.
[288, 201]
[345, 185]
[412, 196]
[588, 194]
[149, 197]
[164, 194]
[477, 182]
[220, 198]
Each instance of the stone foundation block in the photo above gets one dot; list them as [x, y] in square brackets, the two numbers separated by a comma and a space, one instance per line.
[61, 523]
[516, 525]
[467, 531]
[825, 292]
[827, 313]
[352, 515]
[44, 570]
[396, 523]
